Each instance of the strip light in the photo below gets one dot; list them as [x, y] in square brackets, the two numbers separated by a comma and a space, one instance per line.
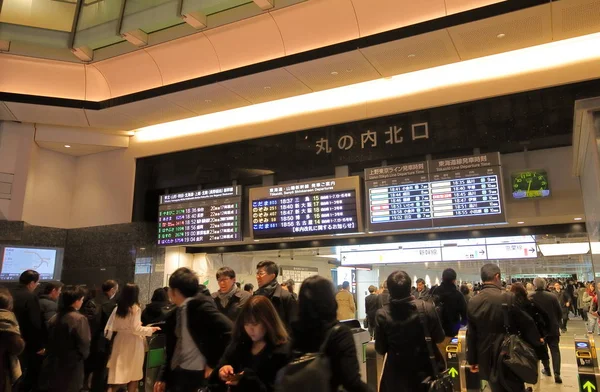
[576, 248]
[547, 56]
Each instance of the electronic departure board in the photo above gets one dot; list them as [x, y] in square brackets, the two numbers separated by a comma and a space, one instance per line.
[440, 193]
[306, 209]
[204, 216]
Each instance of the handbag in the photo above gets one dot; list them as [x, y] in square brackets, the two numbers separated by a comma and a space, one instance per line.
[440, 381]
[517, 355]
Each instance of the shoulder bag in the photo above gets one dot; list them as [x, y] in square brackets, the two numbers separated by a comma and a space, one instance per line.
[439, 382]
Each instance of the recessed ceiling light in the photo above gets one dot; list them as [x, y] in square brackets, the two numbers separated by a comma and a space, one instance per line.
[501, 35]
[520, 223]
[412, 56]
[334, 73]
[67, 146]
[578, 219]
[267, 87]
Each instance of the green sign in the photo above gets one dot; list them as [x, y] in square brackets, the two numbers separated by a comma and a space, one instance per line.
[453, 372]
[530, 184]
[587, 383]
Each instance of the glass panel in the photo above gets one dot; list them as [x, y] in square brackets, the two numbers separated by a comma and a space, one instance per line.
[151, 15]
[98, 22]
[209, 7]
[45, 14]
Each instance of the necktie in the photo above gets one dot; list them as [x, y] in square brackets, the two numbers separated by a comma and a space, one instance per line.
[177, 355]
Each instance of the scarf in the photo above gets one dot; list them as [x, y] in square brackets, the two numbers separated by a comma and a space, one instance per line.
[268, 290]
[224, 298]
[9, 324]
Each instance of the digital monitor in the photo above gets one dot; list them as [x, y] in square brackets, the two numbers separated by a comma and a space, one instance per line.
[306, 209]
[530, 184]
[15, 260]
[430, 194]
[199, 217]
[454, 341]
[582, 345]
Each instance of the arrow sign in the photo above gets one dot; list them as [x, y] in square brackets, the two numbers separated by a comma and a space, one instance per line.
[453, 372]
[589, 387]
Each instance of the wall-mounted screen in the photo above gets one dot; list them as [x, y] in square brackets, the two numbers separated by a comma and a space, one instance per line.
[530, 184]
[204, 216]
[440, 193]
[46, 261]
[306, 209]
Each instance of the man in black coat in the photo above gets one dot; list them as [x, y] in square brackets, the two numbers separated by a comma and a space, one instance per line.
[196, 336]
[548, 303]
[229, 299]
[371, 307]
[452, 306]
[29, 315]
[284, 303]
[564, 299]
[486, 330]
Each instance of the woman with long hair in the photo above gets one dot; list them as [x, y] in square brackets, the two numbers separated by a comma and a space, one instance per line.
[158, 309]
[126, 362]
[317, 316]
[259, 348]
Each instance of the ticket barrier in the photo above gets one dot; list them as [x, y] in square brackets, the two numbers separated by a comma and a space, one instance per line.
[375, 364]
[361, 340]
[587, 363]
[469, 382]
[155, 358]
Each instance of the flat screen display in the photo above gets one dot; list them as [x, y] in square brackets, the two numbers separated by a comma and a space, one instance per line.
[530, 184]
[15, 260]
[440, 193]
[306, 209]
[204, 216]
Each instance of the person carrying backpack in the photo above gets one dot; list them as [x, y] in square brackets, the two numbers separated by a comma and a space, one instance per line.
[451, 306]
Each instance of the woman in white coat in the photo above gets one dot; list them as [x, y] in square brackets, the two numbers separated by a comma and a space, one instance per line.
[126, 362]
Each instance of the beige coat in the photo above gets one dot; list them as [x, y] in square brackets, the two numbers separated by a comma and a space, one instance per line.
[346, 307]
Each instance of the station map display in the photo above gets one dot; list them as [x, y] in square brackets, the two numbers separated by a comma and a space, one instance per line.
[204, 216]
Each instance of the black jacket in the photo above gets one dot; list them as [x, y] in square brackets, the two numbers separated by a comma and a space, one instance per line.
[209, 329]
[563, 298]
[68, 347]
[383, 298]
[98, 317]
[371, 307]
[259, 370]
[29, 315]
[49, 308]
[548, 303]
[284, 303]
[486, 327]
[341, 351]
[155, 312]
[453, 305]
[401, 336]
[234, 306]
[540, 319]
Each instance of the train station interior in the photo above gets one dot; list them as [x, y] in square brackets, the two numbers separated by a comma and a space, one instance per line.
[342, 138]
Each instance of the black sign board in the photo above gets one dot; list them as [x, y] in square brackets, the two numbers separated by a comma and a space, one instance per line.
[441, 193]
[198, 217]
[306, 209]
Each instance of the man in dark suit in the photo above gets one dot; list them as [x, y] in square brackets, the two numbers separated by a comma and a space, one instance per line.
[548, 303]
[96, 363]
[196, 334]
[29, 315]
[371, 307]
[486, 331]
[283, 301]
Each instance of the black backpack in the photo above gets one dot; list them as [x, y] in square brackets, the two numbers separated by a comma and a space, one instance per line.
[437, 302]
[309, 372]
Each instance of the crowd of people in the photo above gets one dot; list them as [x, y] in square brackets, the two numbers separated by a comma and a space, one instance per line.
[70, 340]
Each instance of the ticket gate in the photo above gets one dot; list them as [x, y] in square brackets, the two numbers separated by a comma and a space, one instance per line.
[469, 382]
[361, 340]
[155, 358]
[587, 363]
[375, 364]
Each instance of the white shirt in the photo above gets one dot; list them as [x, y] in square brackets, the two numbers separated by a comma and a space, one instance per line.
[191, 357]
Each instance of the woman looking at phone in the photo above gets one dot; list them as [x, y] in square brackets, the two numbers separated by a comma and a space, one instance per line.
[258, 350]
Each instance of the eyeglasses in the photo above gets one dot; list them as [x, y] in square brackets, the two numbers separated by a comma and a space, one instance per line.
[261, 273]
[225, 279]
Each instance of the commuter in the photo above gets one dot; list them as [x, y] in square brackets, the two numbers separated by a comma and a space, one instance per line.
[316, 318]
[285, 304]
[249, 287]
[259, 348]
[590, 307]
[565, 303]
[29, 315]
[105, 303]
[452, 307]
[196, 335]
[466, 292]
[400, 335]
[68, 345]
[529, 288]
[49, 300]
[580, 305]
[486, 331]
[11, 344]
[384, 295]
[90, 310]
[229, 299]
[158, 308]
[541, 320]
[571, 291]
[288, 286]
[346, 309]
[238, 285]
[371, 307]
[421, 292]
[126, 361]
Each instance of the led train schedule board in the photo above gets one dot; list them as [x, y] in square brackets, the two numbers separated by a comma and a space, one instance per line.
[440, 193]
[198, 217]
[306, 209]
